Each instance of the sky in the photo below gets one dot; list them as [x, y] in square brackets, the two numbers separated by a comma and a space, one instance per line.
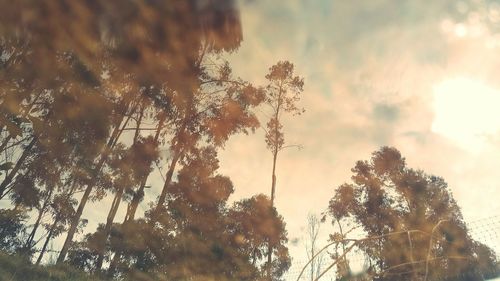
[416, 75]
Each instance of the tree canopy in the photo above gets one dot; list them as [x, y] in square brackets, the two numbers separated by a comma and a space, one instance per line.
[95, 96]
[414, 228]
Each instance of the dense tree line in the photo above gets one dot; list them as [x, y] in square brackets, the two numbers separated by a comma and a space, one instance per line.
[92, 93]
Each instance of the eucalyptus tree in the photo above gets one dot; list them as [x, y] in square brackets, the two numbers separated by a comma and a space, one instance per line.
[129, 166]
[198, 235]
[255, 230]
[220, 107]
[63, 126]
[283, 92]
[417, 230]
[141, 57]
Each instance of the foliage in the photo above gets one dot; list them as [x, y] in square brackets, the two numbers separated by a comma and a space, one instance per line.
[419, 229]
[16, 268]
[198, 235]
[282, 95]
[83, 86]
[11, 230]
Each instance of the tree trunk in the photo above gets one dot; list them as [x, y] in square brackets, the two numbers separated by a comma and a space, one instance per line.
[176, 154]
[31, 237]
[138, 195]
[47, 240]
[273, 190]
[136, 199]
[168, 178]
[5, 142]
[273, 181]
[88, 190]
[10, 176]
[107, 229]
[74, 225]
[116, 203]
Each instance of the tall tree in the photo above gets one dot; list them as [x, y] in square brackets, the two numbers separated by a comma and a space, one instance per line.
[198, 34]
[129, 167]
[257, 230]
[198, 235]
[282, 94]
[221, 106]
[417, 228]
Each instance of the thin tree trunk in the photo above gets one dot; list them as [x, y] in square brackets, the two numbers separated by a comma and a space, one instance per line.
[47, 240]
[10, 176]
[74, 225]
[273, 182]
[107, 228]
[31, 237]
[134, 203]
[54, 224]
[116, 203]
[5, 142]
[273, 193]
[168, 177]
[177, 153]
[273, 190]
[138, 195]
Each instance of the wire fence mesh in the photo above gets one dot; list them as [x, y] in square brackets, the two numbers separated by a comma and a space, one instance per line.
[484, 230]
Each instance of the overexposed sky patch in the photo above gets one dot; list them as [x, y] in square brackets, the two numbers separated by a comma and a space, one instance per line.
[466, 111]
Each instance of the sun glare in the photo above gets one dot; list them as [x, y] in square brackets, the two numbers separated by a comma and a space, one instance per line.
[466, 111]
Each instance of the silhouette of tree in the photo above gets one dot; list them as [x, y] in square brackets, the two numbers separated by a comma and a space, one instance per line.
[219, 107]
[11, 230]
[282, 94]
[197, 235]
[311, 244]
[257, 229]
[430, 240]
[62, 211]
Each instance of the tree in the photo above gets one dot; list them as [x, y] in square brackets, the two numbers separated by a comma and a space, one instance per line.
[62, 211]
[282, 94]
[11, 230]
[218, 107]
[128, 168]
[200, 245]
[183, 77]
[414, 227]
[311, 243]
[257, 229]
[197, 235]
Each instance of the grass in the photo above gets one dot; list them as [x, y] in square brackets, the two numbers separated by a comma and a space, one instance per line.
[15, 268]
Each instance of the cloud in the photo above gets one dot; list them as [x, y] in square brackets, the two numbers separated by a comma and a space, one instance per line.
[369, 69]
